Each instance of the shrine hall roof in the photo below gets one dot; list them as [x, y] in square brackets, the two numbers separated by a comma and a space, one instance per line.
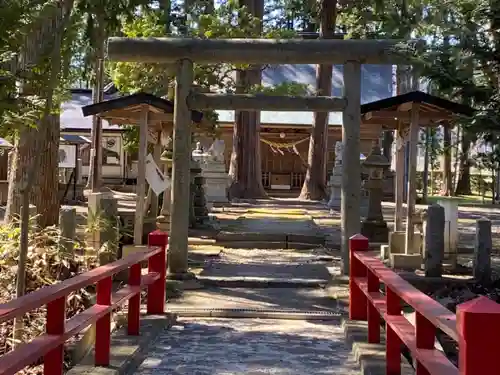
[429, 102]
[135, 101]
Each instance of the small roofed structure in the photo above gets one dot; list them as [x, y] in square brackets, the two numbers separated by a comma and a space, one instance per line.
[407, 113]
[153, 115]
[395, 111]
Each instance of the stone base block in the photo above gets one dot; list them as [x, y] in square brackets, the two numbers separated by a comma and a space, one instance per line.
[409, 262]
[384, 252]
[375, 231]
[397, 243]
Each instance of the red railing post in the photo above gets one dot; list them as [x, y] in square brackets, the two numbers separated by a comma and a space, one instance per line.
[103, 325]
[134, 304]
[157, 263]
[53, 361]
[478, 325]
[426, 336]
[357, 299]
[373, 315]
[392, 340]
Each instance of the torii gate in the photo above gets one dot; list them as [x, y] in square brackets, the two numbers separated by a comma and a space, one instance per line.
[184, 51]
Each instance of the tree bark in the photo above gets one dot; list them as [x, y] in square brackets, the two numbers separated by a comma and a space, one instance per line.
[447, 179]
[38, 148]
[245, 165]
[463, 182]
[315, 181]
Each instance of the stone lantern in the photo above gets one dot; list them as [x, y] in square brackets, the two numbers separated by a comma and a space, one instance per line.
[374, 227]
[163, 221]
[198, 212]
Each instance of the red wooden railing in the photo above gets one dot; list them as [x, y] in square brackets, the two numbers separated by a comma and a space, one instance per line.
[50, 345]
[475, 327]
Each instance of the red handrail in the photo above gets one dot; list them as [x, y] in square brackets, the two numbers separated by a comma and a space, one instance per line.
[50, 345]
[477, 350]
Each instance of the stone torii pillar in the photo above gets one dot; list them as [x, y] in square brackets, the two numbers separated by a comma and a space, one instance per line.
[185, 51]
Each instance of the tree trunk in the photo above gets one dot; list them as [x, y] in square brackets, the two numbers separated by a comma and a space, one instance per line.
[315, 181]
[38, 148]
[245, 166]
[463, 182]
[447, 179]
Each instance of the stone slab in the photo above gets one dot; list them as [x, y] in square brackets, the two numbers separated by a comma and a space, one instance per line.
[371, 357]
[249, 346]
[127, 352]
[406, 261]
[282, 272]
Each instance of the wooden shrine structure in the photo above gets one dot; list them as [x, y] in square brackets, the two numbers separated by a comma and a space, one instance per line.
[185, 51]
[407, 113]
[153, 115]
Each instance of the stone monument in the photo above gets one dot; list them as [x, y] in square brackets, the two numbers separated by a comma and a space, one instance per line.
[434, 241]
[374, 226]
[335, 182]
[213, 171]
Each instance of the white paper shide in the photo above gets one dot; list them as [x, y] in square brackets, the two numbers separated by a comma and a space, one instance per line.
[155, 177]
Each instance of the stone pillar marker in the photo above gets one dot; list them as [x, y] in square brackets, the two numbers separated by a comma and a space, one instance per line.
[434, 241]
[451, 230]
[481, 263]
[67, 227]
[335, 182]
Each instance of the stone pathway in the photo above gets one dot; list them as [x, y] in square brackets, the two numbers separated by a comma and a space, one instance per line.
[257, 345]
[249, 346]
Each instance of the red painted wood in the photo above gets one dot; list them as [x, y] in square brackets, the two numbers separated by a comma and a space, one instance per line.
[358, 303]
[157, 263]
[438, 315]
[433, 360]
[43, 296]
[53, 361]
[28, 353]
[134, 303]
[373, 314]
[425, 338]
[103, 325]
[392, 340]
[479, 326]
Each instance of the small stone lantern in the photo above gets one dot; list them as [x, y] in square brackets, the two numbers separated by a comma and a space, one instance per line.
[374, 227]
[198, 212]
[163, 221]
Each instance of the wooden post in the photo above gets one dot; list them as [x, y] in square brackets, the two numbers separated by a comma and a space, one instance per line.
[141, 177]
[351, 171]
[156, 157]
[399, 178]
[181, 179]
[412, 178]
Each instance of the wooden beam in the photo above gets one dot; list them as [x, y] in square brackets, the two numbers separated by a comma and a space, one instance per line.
[412, 178]
[136, 116]
[351, 168]
[181, 179]
[258, 51]
[141, 178]
[424, 117]
[405, 107]
[248, 102]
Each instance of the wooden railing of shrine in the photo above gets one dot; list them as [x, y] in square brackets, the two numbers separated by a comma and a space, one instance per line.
[378, 292]
[50, 346]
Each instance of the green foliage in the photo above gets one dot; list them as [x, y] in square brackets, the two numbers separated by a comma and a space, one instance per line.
[229, 20]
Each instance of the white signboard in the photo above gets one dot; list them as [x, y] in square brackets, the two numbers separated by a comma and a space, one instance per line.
[67, 156]
[154, 176]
